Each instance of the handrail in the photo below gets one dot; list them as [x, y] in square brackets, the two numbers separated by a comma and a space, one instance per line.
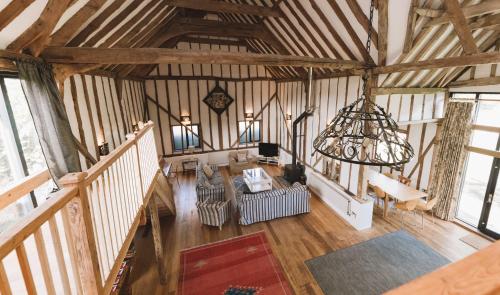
[15, 235]
[107, 161]
[96, 213]
[22, 187]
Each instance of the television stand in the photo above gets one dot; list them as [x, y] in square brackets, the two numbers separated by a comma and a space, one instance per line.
[268, 160]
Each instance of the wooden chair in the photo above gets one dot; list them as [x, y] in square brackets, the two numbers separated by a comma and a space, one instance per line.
[405, 207]
[423, 206]
[379, 194]
[404, 180]
[389, 174]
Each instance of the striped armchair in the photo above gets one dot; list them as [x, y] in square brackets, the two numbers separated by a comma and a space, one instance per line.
[214, 213]
[273, 204]
[209, 189]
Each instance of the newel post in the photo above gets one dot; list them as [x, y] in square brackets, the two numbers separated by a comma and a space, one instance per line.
[82, 232]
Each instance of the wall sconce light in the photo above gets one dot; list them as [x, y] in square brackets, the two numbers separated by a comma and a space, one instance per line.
[248, 116]
[185, 120]
[135, 127]
[104, 149]
[288, 117]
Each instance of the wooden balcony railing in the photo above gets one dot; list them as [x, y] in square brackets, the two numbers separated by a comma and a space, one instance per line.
[75, 242]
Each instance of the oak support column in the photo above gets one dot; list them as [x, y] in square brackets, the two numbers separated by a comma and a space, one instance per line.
[155, 228]
[80, 222]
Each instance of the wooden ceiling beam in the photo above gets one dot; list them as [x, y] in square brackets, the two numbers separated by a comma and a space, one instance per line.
[184, 26]
[36, 37]
[332, 30]
[447, 62]
[363, 19]
[226, 7]
[459, 22]
[12, 10]
[82, 55]
[350, 30]
[112, 24]
[476, 82]
[94, 24]
[69, 29]
[487, 6]
[212, 41]
[383, 31]
[490, 21]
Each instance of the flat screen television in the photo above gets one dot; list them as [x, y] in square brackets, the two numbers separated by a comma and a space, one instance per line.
[268, 149]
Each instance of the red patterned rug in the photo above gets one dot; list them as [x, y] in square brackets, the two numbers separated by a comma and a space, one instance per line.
[244, 265]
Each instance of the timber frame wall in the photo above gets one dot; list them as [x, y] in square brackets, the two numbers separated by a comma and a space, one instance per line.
[101, 109]
[173, 91]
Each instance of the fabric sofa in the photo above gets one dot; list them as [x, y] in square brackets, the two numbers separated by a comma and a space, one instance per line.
[271, 204]
[209, 188]
[235, 166]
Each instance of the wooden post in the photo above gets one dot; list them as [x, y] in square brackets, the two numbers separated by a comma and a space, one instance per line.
[80, 222]
[155, 226]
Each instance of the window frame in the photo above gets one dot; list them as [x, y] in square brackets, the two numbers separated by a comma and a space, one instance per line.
[240, 134]
[185, 136]
[13, 130]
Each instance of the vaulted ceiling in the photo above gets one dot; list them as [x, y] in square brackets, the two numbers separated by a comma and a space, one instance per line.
[404, 31]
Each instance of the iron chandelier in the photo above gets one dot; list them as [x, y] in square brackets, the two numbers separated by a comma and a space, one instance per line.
[363, 133]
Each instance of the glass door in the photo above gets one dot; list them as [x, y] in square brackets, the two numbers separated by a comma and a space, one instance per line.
[489, 222]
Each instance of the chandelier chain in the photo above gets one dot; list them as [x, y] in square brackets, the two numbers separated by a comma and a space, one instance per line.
[368, 44]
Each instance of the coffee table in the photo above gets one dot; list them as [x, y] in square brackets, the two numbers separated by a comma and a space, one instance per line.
[257, 180]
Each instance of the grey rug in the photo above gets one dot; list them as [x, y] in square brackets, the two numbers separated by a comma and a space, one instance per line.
[374, 266]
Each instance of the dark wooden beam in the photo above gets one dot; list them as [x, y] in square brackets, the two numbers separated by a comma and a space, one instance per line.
[447, 62]
[459, 22]
[487, 6]
[36, 37]
[83, 55]
[226, 7]
[12, 10]
[70, 27]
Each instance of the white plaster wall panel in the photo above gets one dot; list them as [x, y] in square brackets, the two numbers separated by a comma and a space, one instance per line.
[404, 115]
[193, 100]
[482, 71]
[173, 97]
[345, 170]
[153, 114]
[205, 114]
[418, 101]
[439, 111]
[429, 106]
[353, 184]
[414, 140]
[108, 100]
[93, 108]
[85, 118]
[116, 104]
[104, 114]
[430, 133]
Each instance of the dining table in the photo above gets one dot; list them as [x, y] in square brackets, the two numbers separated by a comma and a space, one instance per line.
[393, 188]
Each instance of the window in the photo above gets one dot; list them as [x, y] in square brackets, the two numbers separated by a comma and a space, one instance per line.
[252, 133]
[20, 151]
[186, 136]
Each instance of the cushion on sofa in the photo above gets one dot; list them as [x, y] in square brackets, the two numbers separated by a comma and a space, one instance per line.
[208, 171]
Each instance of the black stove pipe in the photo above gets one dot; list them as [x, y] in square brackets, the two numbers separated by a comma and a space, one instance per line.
[294, 135]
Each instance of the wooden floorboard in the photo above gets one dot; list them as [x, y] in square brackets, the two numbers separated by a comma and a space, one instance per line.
[293, 239]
